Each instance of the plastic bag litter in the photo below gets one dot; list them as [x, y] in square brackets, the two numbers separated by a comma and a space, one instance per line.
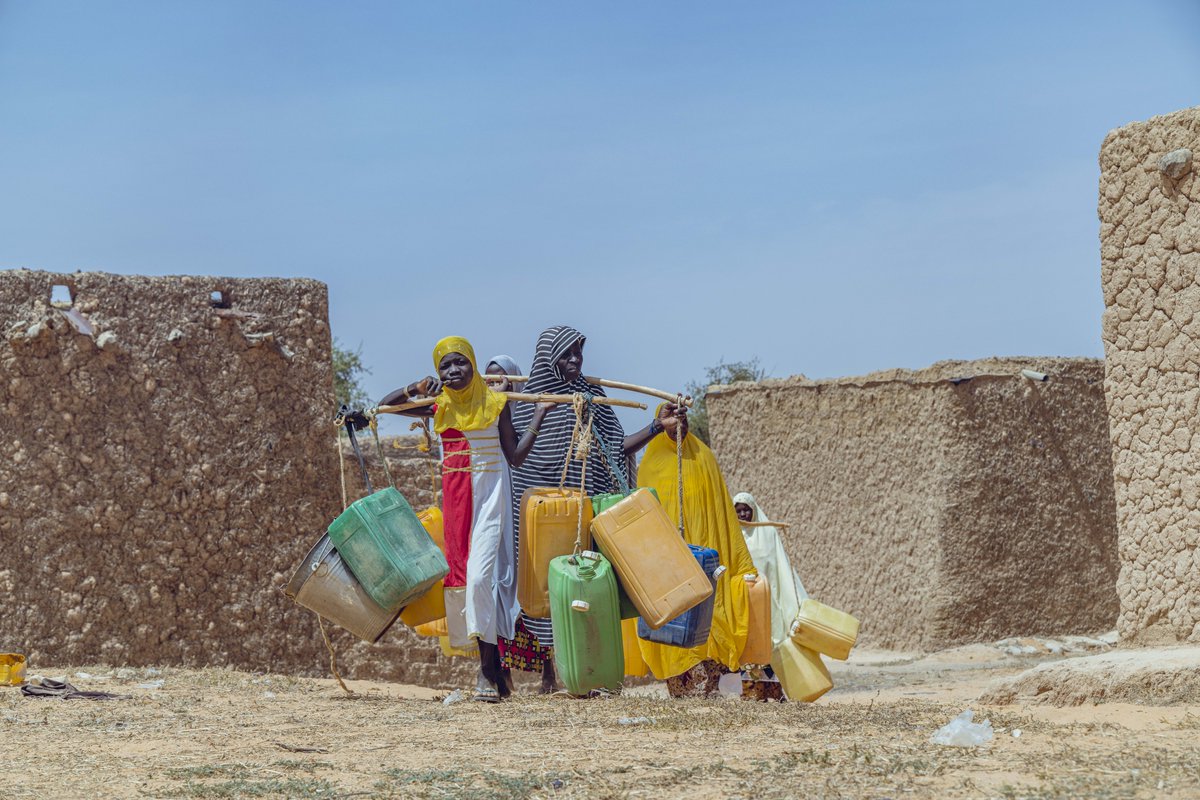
[962, 732]
[730, 685]
[456, 696]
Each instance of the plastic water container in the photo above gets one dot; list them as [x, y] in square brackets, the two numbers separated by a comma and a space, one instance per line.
[550, 519]
[825, 629]
[758, 642]
[430, 606]
[600, 504]
[801, 672]
[387, 548]
[691, 628]
[659, 572]
[588, 651]
[12, 669]
[324, 584]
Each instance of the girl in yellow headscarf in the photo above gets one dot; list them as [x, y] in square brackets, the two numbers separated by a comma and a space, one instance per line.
[478, 445]
[709, 521]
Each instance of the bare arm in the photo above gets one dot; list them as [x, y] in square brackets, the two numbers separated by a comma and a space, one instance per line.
[516, 451]
[666, 416]
[428, 386]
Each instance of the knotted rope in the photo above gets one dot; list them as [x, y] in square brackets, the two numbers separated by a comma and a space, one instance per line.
[679, 469]
[321, 620]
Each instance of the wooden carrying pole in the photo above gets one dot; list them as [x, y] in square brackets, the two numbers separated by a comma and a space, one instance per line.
[519, 397]
[629, 387]
[763, 524]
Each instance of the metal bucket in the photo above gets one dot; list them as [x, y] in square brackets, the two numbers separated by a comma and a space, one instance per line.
[324, 584]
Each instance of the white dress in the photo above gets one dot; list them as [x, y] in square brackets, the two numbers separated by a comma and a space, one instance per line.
[477, 510]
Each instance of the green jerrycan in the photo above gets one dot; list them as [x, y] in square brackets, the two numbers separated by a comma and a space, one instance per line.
[388, 549]
[588, 649]
[603, 502]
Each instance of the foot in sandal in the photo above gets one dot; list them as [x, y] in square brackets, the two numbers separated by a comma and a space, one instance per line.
[485, 690]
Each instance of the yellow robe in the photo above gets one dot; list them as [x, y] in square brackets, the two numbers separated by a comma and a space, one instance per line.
[710, 521]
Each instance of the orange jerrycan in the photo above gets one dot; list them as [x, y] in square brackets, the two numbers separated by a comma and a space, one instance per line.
[825, 629]
[658, 571]
[549, 520]
[758, 643]
[801, 672]
[430, 606]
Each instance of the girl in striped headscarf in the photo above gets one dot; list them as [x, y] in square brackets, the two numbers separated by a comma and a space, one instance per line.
[558, 369]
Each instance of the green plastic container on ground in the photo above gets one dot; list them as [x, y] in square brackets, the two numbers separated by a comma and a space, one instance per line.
[603, 502]
[388, 549]
[588, 650]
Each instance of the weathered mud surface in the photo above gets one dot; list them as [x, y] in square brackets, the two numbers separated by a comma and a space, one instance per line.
[959, 503]
[1150, 257]
[164, 466]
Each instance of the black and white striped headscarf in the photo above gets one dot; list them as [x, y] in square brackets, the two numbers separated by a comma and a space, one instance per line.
[544, 464]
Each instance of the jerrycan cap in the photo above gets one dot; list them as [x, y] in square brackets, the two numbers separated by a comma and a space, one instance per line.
[590, 554]
[750, 577]
[719, 571]
[580, 605]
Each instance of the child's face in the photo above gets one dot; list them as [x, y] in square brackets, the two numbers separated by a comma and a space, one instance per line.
[745, 513]
[455, 371]
[499, 386]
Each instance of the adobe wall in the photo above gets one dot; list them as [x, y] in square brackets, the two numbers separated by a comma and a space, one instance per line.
[1150, 258]
[938, 510]
[164, 466]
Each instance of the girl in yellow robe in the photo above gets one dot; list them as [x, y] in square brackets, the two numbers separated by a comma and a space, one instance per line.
[709, 521]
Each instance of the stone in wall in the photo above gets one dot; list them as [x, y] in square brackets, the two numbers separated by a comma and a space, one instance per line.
[954, 504]
[166, 460]
[1150, 257]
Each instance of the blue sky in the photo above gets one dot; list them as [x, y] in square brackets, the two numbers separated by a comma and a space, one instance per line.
[831, 187]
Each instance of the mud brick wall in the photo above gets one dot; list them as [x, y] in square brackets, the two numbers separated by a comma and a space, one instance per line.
[953, 504]
[166, 460]
[1150, 259]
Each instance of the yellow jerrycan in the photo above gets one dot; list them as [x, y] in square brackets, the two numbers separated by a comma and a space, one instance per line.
[438, 629]
[824, 629]
[430, 606]
[12, 669]
[801, 672]
[656, 568]
[758, 643]
[549, 520]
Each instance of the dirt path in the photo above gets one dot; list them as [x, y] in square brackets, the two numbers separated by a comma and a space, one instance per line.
[224, 734]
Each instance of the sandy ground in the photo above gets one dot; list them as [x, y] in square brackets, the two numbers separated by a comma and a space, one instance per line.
[224, 734]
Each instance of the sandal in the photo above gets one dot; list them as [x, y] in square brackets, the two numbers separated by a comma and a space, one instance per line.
[488, 695]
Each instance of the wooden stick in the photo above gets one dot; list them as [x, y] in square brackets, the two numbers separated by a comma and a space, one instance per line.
[763, 524]
[629, 387]
[518, 397]
[567, 398]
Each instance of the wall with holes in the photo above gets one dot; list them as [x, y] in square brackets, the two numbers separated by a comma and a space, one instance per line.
[954, 504]
[1150, 260]
[166, 460]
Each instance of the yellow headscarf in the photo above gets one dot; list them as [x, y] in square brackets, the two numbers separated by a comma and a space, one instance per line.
[470, 409]
[710, 521]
